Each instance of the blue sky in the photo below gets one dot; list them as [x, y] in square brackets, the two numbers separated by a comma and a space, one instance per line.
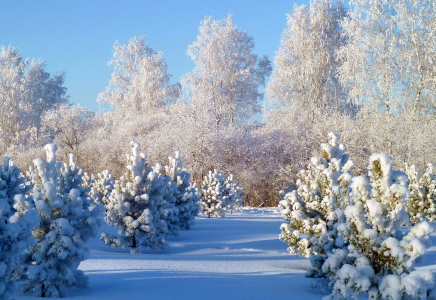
[77, 36]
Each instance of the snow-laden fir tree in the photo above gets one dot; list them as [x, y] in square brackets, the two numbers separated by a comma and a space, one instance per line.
[317, 204]
[67, 223]
[236, 191]
[379, 261]
[421, 204]
[217, 194]
[12, 182]
[185, 193]
[17, 220]
[101, 187]
[138, 206]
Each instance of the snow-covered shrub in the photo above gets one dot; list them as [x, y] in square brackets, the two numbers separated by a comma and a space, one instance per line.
[17, 220]
[378, 261]
[316, 206]
[421, 204]
[67, 223]
[138, 205]
[186, 194]
[218, 194]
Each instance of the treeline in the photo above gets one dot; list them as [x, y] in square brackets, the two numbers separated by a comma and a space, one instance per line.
[366, 71]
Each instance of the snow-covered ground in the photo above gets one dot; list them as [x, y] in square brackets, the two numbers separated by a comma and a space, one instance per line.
[236, 257]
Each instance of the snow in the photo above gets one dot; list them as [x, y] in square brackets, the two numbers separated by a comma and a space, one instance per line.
[236, 257]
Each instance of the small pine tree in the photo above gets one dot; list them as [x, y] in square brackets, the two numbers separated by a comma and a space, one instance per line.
[421, 204]
[17, 220]
[101, 187]
[186, 194]
[67, 223]
[314, 209]
[217, 194]
[138, 206]
[236, 191]
[12, 182]
[378, 261]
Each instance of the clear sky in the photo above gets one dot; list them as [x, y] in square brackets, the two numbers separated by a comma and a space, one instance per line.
[77, 36]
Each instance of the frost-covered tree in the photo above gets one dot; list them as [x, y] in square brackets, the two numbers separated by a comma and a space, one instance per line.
[389, 57]
[416, 23]
[217, 194]
[27, 91]
[421, 203]
[140, 82]
[379, 260]
[316, 206]
[67, 223]
[186, 194]
[138, 205]
[68, 127]
[227, 73]
[305, 76]
[370, 57]
[69, 124]
[17, 220]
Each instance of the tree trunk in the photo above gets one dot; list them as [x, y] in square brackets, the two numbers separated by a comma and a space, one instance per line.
[133, 242]
[43, 291]
[208, 214]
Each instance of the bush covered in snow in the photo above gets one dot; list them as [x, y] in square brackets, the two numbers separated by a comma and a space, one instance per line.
[67, 223]
[219, 194]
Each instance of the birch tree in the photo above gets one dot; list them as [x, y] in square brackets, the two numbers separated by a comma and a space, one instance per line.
[140, 82]
[416, 21]
[227, 73]
[27, 91]
[306, 65]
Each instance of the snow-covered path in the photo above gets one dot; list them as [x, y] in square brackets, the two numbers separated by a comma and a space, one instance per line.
[236, 257]
[233, 258]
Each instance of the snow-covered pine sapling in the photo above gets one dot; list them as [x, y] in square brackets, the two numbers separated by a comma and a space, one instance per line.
[67, 223]
[211, 193]
[185, 193]
[17, 220]
[216, 194]
[236, 193]
[101, 187]
[316, 206]
[137, 205]
[379, 260]
[421, 204]
[12, 182]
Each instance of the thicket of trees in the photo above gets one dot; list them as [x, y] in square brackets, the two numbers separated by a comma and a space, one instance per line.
[365, 71]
